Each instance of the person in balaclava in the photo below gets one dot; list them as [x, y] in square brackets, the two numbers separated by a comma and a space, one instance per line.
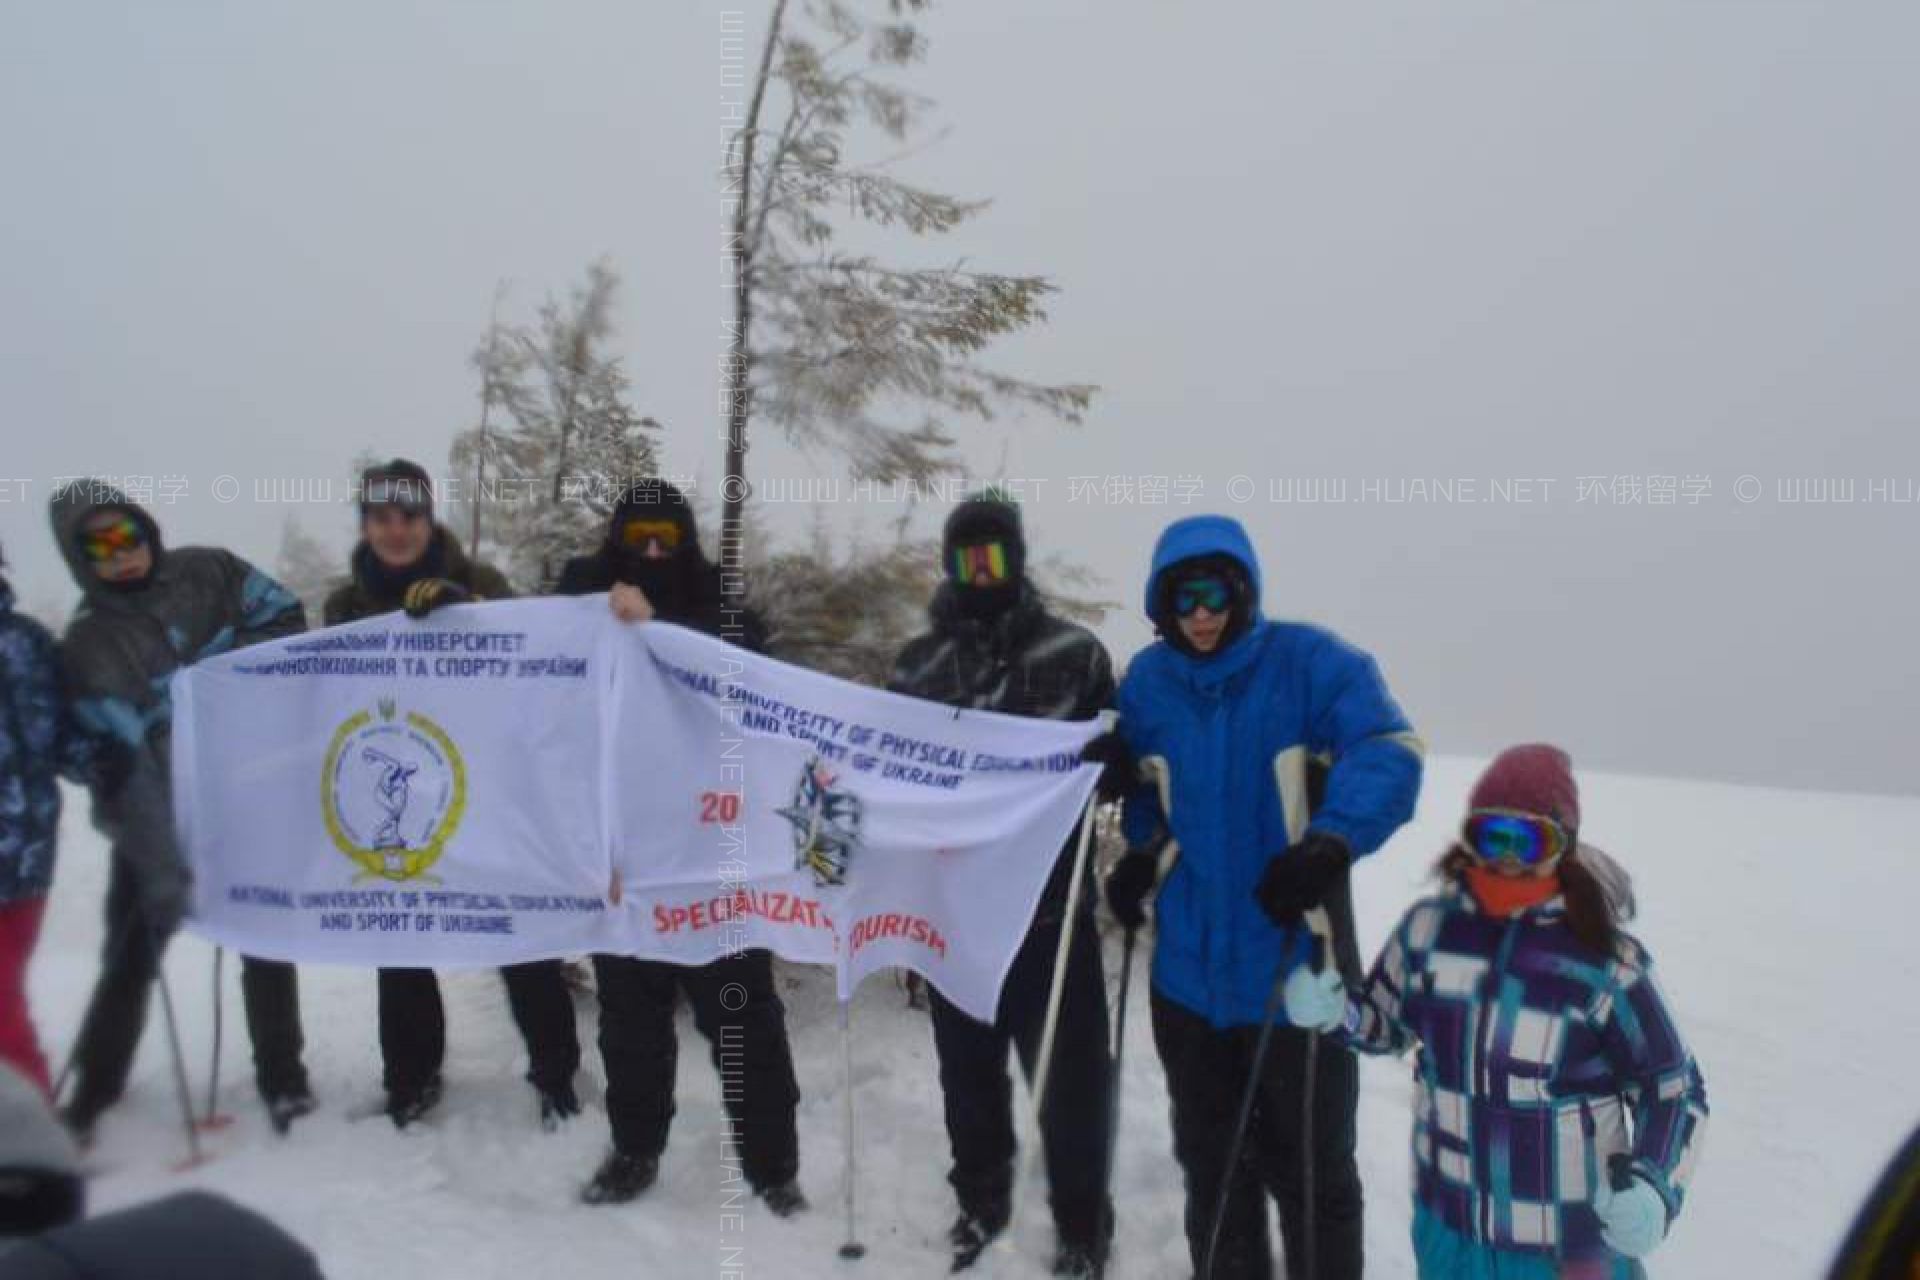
[1227, 712]
[993, 645]
[651, 566]
[1558, 1111]
[407, 560]
[146, 610]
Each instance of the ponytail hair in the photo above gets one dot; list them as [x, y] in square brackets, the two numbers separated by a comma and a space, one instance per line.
[1597, 891]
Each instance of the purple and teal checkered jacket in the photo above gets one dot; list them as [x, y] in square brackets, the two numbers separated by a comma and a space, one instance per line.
[1537, 1060]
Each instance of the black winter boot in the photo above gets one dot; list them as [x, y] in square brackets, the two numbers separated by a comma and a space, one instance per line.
[620, 1178]
[405, 1106]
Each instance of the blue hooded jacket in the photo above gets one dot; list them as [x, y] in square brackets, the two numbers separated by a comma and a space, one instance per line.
[1225, 741]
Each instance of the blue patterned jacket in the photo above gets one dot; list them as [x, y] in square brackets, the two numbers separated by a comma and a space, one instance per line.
[39, 743]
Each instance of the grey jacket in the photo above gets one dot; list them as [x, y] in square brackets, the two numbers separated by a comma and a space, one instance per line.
[120, 650]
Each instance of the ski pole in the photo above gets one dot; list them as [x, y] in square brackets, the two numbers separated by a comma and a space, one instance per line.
[1056, 992]
[1317, 922]
[1113, 1096]
[1323, 939]
[213, 1070]
[1242, 1119]
[181, 1087]
[1043, 1062]
[852, 1248]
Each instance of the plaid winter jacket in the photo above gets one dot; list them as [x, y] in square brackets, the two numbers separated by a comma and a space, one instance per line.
[1536, 1061]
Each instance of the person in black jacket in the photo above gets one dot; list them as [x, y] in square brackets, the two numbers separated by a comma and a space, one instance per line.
[651, 566]
[407, 560]
[994, 645]
[147, 610]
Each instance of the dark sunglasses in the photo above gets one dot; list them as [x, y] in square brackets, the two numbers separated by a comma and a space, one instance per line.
[1212, 594]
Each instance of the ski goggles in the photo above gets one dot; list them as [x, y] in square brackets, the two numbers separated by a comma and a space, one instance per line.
[976, 560]
[1214, 595]
[409, 495]
[638, 533]
[1508, 836]
[104, 543]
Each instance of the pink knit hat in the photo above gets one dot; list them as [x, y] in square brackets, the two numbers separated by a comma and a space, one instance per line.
[1534, 777]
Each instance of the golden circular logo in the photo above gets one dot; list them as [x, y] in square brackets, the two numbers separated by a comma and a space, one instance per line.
[393, 790]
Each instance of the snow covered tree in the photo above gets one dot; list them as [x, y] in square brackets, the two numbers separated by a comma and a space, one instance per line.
[307, 567]
[571, 442]
[840, 351]
[843, 606]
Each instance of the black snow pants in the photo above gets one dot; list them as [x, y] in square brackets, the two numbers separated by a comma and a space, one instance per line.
[413, 1025]
[117, 1013]
[1207, 1070]
[979, 1092]
[738, 1010]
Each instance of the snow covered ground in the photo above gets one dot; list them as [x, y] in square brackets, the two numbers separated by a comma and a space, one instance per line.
[1781, 921]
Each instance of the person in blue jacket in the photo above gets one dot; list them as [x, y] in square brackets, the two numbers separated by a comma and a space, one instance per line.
[40, 743]
[1273, 756]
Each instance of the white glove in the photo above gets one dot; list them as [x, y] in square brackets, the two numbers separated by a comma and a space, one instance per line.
[1316, 1000]
[1632, 1222]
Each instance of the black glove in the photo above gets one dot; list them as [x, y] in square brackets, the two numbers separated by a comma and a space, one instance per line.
[1110, 752]
[112, 766]
[1129, 883]
[428, 594]
[164, 897]
[1299, 880]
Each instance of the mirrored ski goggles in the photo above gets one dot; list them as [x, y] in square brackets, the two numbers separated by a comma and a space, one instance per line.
[410, 496]
[1212, 594]
[1512, 837]
[638, 533]
[981, 559]
[106, 542]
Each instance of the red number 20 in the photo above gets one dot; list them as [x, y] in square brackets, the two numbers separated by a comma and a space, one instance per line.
[720, 806]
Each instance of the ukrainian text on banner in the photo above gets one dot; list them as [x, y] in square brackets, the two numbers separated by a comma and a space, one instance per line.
[402, 792]
[756, 804]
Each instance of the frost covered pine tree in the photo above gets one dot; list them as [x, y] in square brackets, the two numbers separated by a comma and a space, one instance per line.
[545, 471]
[307, 567]
[842, 352]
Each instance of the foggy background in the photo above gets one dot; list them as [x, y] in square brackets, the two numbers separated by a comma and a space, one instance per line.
[1301, 244]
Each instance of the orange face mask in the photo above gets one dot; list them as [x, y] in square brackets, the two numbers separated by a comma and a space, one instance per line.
[1503, 896]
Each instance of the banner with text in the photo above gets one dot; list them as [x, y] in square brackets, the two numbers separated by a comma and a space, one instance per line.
[402, 792]
[531, 778]
[763, 805]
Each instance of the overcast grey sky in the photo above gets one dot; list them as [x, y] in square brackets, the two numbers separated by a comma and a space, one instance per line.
[1371, 245]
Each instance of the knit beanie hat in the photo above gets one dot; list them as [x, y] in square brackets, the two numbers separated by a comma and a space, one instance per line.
[1534, 777]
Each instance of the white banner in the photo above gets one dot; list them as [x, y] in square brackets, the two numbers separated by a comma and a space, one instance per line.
[836, 820]
[531, 778]
[396, 792]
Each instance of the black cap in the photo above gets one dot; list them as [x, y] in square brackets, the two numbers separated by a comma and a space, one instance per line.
[398, 483]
